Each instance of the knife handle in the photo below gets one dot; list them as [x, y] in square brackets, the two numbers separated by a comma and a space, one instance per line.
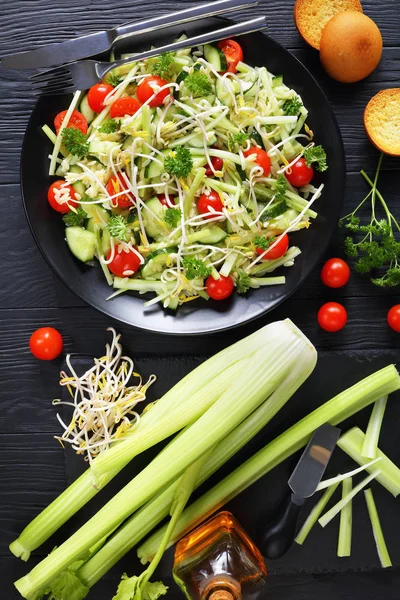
[281, 531]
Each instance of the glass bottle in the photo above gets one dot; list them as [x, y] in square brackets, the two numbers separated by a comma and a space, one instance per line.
[218, 561]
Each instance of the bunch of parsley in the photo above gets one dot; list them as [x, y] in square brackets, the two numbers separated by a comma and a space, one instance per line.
[374, 244]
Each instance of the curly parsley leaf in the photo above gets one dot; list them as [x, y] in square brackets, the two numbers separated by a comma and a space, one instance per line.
[237, 139]
[73, 219]
[110, 126]
[179, 163]
[317, 155]
[162, 66]
[117, 226]
[199, 84]
[75, 142]
[243, 282]
[114, 79]
[262, 242]
[280, 185]
[292, 106]
[172, 216]
[195, 268]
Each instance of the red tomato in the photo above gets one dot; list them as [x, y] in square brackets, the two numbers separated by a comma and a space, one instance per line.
[46, 343]
[148, 87]
[393, 318]
[124, 263]
[219, 289]
[261, 158]
[97, 94]
[335, 273]
[124, 106]
[300, 174]
[213, 200]
[116, 185]
[217, 163]
[76, 121]
[61, 201]
[233, 53]
[162, 198]
[332, 316]
[277, 251]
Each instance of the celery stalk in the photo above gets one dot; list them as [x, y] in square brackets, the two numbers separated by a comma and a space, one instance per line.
[339, 478]
[314, 515]
[338, 409]
[352, 443]
[196, 183]
[53, 138]
[346, 521]
[332, 512]
[377, 530]
[374, 428]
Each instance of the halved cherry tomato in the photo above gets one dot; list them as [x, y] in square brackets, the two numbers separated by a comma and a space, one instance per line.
[212, 200]
[46, 343]
[148, 87]
[332, 316]
[124, 106]
[393, 318]
[278, 250]
[61, 196]
[76, 121]
[261, 158]
[217, 163]
[117, 185]
[299, 174]
[219, 289]
[233, 53]
[163, 199]
[97, 94]
[124, 263]
[335, 273]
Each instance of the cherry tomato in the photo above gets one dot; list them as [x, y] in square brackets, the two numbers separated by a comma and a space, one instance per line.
[76, 121]
[217, 163]
[335, 273]
[233, 53]
[332, 316]
[124, 106]
[277, 251]
[97, 94]
[300, 174]
[393, 318]
[213, 200]
[261, 158]
[124, 263]
[148, 87]
[163, 199]
[219, 289]
[46, 343]
[61, 196]
[117, 185]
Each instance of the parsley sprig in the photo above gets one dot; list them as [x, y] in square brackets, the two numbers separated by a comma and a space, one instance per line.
[262, 242]
[162, 66]
[378, 248]
[117, 226]
[110, 126]
[292, 106]
[195, 268]
[172, 216]
[280, 186]
[73, 219]
[75, 142]
[243, 281]
[199, 84]
[179, 163]
[317, 155]
[237, 139]
[114, 79]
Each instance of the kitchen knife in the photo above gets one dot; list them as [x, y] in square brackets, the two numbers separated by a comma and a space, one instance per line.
[96, 43]
[281, 531]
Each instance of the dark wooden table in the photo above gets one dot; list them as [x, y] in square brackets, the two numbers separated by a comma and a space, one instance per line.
[31, 296]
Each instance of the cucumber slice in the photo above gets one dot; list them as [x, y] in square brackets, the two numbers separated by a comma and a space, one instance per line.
[85, 109]
[78, 187]
[96, 213]
[197, 141]
[156, 261]
[81, 242]
[277, 80]
[274, 210]
[257, 138]
[154, 227]
[212, 235]
[154, 169]
[102, 150]
[215, 57]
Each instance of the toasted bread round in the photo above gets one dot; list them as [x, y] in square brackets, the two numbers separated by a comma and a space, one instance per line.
[311, 16]
[382, 121]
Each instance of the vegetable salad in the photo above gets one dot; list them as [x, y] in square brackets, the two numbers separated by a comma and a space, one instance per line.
[185, 175]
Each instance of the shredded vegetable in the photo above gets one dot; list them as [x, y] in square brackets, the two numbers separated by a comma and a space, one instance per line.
[374, 428]
[377, 530]
[315, 514]
[346, 521]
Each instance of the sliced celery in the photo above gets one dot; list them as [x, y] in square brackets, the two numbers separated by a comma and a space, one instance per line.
[346, 521]
[377, 530]
[370, 445]
[314, 515]
[328, 482]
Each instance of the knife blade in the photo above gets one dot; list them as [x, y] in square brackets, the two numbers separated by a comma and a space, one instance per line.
[96, 43]
[280, 532]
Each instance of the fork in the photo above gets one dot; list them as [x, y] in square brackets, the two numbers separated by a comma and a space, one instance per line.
[81, 75]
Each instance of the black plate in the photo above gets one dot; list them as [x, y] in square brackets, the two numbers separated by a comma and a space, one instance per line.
[198, 316]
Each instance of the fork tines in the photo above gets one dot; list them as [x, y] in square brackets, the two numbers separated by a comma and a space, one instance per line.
[52, 81]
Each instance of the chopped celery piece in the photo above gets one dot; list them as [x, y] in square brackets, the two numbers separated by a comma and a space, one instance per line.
[314, 515]
[328, 482]
[346, 521]
[377, 530]
[374, 428]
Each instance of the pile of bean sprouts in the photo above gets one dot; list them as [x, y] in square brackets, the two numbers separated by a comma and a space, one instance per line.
[104, 401]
